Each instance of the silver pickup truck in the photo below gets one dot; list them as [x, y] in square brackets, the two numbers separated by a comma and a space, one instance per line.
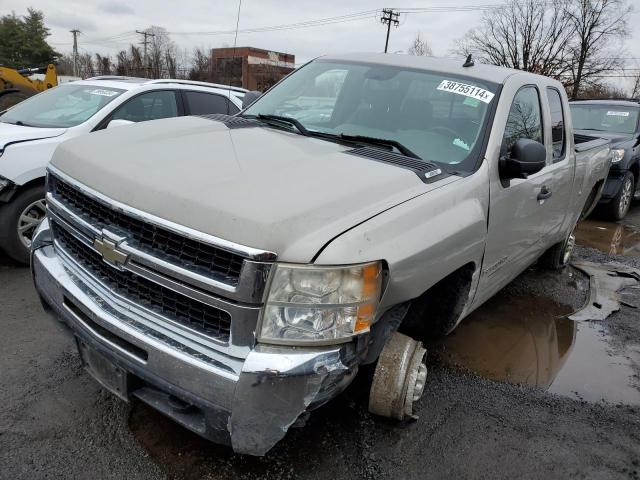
[234, 272]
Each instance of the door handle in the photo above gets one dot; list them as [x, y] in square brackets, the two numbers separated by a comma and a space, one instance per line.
[544, 194]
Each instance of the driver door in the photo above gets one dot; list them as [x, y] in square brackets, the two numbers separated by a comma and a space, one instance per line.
[523, 211]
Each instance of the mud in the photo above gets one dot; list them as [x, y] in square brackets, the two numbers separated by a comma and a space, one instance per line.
[530, 340]
[608, 237]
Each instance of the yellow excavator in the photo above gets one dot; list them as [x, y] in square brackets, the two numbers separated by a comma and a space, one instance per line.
[15, 85]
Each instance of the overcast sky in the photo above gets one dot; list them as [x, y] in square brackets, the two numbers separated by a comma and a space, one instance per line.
[107, 26]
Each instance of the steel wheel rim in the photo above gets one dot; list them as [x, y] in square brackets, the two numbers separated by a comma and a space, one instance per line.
[625, 198]
[29, 220]
[568, 248]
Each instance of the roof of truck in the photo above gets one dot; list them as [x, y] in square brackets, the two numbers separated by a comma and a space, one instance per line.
[621, 102]
[490, 73]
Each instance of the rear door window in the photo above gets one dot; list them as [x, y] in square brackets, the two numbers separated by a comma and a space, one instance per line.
[558, 139]
[202, 103]
[148, 106]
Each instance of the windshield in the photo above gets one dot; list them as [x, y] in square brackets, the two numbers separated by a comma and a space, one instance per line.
[61, 107]
[439, 117]
[605, 118]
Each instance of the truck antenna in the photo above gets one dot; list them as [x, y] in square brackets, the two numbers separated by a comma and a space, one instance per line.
[235, 43]
[469, 62]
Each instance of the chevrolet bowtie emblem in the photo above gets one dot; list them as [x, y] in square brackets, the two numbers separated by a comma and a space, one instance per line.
[109, 252]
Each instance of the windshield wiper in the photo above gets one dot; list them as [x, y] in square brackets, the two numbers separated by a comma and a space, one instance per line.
[20, 123]
[380, 141]
[288, 120]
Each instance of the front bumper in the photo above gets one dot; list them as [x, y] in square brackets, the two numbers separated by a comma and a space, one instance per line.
[247, 403]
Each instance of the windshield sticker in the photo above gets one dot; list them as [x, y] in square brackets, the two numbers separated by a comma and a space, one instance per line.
[617, 114]
[472, 102]
[470, 91]
[460, 143]
[103, 93]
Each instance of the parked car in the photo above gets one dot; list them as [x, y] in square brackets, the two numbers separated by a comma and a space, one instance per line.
[234, 272]
[616, 120]
[30, 132]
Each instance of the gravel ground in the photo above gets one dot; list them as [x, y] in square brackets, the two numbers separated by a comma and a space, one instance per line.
[56, 422]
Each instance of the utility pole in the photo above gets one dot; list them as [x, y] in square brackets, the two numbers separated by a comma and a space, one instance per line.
[75, 33]
[389, 17]
[145, 42]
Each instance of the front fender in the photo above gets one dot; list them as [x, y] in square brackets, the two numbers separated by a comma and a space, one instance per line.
[422, 240]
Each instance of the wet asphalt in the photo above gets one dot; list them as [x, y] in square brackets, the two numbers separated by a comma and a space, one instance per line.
[517, 391]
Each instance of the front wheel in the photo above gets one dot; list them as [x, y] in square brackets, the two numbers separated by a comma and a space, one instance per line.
[19, 220]
[619, 205]
[558, 256]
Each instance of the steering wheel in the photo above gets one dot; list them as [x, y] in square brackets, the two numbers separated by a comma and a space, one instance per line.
[444, 130]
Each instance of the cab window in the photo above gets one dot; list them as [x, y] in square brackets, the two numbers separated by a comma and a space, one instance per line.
[202, 103]
[558, 139]
[525, 119]
[148, 106]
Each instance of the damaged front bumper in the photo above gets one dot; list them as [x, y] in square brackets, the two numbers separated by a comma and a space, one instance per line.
[248, 403]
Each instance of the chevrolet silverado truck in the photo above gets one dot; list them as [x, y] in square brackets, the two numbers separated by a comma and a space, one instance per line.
[619, 122]
[234, 272]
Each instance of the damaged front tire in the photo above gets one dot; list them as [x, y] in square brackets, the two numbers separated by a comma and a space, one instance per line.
[399, 379]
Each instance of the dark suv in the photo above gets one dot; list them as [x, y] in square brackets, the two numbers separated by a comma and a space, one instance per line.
[616, 120]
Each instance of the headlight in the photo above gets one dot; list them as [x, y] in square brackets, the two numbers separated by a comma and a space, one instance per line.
[617, 155]
[315, 304]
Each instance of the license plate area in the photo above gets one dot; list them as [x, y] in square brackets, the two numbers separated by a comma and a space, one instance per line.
[109, 375]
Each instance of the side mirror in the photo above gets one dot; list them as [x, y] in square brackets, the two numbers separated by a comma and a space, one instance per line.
[527, 157]
[118, 123]
[250, 97]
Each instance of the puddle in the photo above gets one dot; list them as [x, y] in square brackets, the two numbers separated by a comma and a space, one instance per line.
[609, 237]
[524, 339]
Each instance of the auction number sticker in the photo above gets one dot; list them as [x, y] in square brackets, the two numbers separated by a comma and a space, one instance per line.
[466, 90]
[617, 114]
[103, 93]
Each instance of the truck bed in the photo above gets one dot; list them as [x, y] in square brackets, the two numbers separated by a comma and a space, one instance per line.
[587, 142]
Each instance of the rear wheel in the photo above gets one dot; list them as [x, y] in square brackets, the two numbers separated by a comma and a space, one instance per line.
[19, 220]
[619, 205]
[559, 256]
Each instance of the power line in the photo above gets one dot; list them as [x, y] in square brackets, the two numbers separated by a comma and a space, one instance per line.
[287, 26]
[145, 42]
[389, 17]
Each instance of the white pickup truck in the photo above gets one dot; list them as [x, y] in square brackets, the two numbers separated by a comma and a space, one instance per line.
[235, 271]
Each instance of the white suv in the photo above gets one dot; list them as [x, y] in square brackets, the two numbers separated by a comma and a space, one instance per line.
[31, 130]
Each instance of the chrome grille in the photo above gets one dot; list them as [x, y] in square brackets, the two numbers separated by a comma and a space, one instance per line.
[183, 310]
[191, 254]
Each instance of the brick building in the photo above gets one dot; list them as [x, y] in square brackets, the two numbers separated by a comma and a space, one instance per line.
[250, 68]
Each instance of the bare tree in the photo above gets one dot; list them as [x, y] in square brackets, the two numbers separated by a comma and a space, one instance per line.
[597, 25]
[523, 34]
[161, 53]
[200, 65]
[635, 91]
[420, 47]
[570, 40]
[137, 62]
[103, 64]
[64, 64]
[601, 90]
[85, 66]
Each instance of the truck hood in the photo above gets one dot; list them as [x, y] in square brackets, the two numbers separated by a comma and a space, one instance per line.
[10, 133]
[257, 186]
